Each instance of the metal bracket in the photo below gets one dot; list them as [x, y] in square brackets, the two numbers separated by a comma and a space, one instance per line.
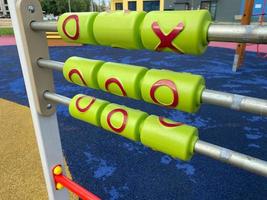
[36, 45]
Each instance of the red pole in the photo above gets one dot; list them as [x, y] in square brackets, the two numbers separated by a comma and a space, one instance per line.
[72, 186]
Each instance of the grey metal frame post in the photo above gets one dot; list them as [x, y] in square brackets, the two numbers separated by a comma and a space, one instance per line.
[31, 46]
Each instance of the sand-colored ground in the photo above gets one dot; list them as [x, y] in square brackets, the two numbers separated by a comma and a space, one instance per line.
[5, 23]
[20, 165]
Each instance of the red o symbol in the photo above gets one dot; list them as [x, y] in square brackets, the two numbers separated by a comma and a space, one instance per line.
[87, 107]
[76, 71]
[76, 18]
[169, 124]
[125, 118]
[117, 82]
[170, 84]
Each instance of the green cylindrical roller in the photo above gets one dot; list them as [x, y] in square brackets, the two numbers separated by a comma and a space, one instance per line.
[119, 29]
[82, 71]
[87, 108]
[121, 79]
[173, 138]
[77, 27]
[181, 91]
[179, 31]
[122, 120]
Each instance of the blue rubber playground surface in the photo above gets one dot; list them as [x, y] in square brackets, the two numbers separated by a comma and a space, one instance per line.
[116, 168]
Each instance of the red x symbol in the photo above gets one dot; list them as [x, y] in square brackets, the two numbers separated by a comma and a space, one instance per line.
[166, 40]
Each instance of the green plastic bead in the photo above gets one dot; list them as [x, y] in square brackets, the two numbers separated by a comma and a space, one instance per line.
[121, 79]
[122, 120]
[77, 27]
[82, 71]
[119, 29]
[87, 108]
[181, 91]
[172, 138]
[188, 28]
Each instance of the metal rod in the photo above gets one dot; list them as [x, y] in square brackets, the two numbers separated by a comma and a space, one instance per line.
[44, 26]
[232, 101]
[238, 33]
[216, 32]
[235, 102]
[216, 152]
[50, 64]
[57, 98]
[240, 160]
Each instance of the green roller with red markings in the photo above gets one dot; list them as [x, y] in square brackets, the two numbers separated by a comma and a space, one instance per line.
[178, 31]
[121, 79]
[82, 71]
[87, 108]
[173, 138]
[181, 91]
[122, 120]
[77, 27]
[163, 135]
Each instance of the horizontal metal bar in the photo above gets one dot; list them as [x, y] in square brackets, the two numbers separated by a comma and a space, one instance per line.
[216, 32]
[44, 26]
[242, 161]
[232, 101]
[50, 64]
[235, 102]
[238, 33]
[57, 98]
[216, 152]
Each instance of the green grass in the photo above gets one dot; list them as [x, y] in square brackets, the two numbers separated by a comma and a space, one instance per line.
[6, 31]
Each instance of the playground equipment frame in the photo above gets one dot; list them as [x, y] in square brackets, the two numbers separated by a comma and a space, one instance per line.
[33, 53]
[31, 46]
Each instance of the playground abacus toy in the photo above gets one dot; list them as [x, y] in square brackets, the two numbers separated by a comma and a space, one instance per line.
[138, 30]
[156, 30]
[186, 32]
[136, 125]
[181, 91]
[156, 132]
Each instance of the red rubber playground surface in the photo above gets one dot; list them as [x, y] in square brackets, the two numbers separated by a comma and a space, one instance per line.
[10, 40]
[249, 47]
[7, 40]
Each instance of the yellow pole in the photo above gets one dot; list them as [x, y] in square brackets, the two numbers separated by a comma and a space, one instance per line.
[161, 5]
[112, 5]
[139, 5]
[125, 5]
